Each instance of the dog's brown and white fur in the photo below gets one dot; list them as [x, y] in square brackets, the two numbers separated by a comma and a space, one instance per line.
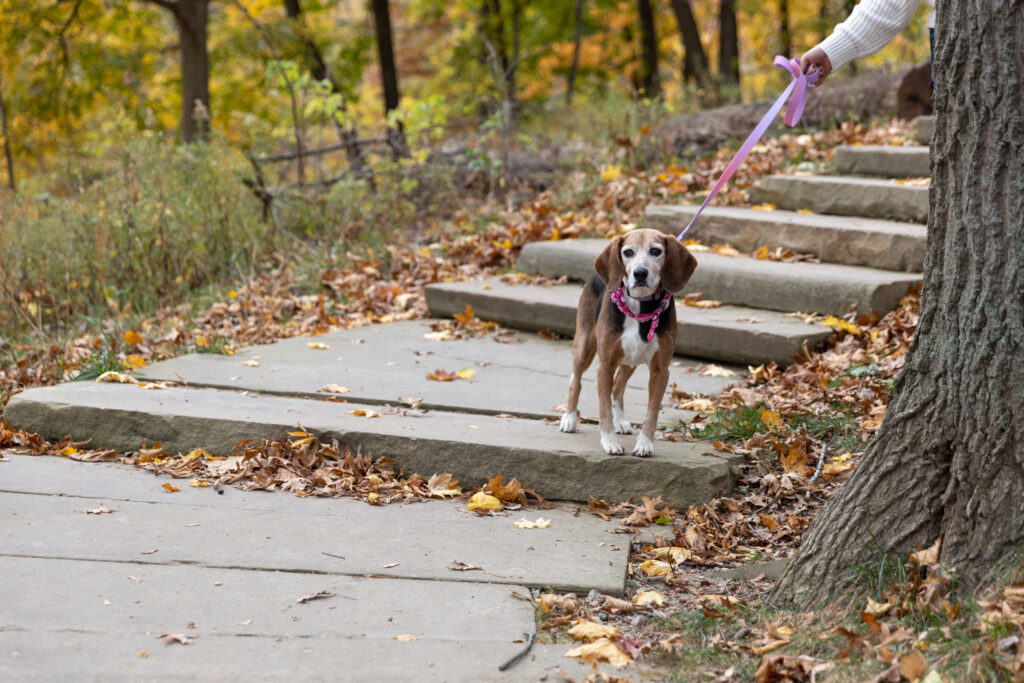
[646, 263]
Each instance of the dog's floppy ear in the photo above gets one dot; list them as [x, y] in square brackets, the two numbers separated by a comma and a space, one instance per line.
[609, 264]
[679, 265]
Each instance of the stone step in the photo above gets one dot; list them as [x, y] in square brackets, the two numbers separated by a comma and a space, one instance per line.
[473, 447]
[923, 126]
[732, 334]
[883, 160]
[744, 281]
[844, 196]
[888, 245]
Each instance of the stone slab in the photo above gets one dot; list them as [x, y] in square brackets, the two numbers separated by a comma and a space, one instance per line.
[923, 126]
[722, 334]
[773, 285]
[393, 360]
[235, 531]
[844, 195]
[883, 160]
[60, 656]
[473, 447]
[888, 245]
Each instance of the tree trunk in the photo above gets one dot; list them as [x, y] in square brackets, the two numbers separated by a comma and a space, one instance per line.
[695, 61]
[385, 51]
[948, 460]
[577, 43]
[649, 45]
[7, 138]
[191, 17]
[315, 59]
[728, 44]
[785, 33]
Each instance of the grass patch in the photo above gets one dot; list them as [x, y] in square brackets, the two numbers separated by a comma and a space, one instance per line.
[741, 421]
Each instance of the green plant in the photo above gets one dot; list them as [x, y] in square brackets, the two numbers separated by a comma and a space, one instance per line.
[742, 421]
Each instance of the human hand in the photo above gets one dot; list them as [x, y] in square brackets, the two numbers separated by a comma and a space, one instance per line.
[816, 58]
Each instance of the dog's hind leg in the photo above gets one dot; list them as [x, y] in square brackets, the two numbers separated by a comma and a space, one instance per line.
[583, 350]
[622, 425]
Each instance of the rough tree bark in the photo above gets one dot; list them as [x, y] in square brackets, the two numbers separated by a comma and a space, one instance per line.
[728, 44]
[695, 60]
[649, 50]
[948, 460]
[785, 31]
[191, 18]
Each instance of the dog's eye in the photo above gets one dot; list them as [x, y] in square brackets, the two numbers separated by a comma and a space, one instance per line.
[628, 253]
[655, 251]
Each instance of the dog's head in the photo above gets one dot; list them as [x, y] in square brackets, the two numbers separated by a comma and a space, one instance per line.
[645, 260]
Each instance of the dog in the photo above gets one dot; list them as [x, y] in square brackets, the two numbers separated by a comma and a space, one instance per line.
[627, 317]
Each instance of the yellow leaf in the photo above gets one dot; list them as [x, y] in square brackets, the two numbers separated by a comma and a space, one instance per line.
[405, 637]
[170, 489]
[232, 294]
[806, 212]
[656, 568]
[838, 324]
[610, 173]
[649, 598]
[466, 373]
[197, 482]
[116, 377]
[320, 346]
[335, 389]
[483, 501]
[202, 342]
[772, 420]
[69, 451]
[364, 412]
[132, 337]
[134, 362]
[725, 250]
[764, 207]
[601, 650]
[589, 631]
[524, 523]
[700, 405]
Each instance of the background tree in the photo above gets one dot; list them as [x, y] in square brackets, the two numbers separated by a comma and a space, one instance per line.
[386, 54]
[650, 84]
[785, 30]
[695, 60]
[728, 44]
[948, 460]
[7, 140]
[191, 17]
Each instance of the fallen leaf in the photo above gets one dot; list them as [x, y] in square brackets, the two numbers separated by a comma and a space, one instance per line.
[198, 483]
[176, 638]
[251, 363]
[443, 485]
[928, 555]
[768, 647]
[314, 596]
[142, 654]
[117, 378]
[700, 405]
[169, 488]
[524, 523]
[717, 371]
[442, 376]
[466, 373]
[839, 324]
[100, 510]
[483, 501]
[656, 568]
[335, 389]
[601, 650]
[877, 609]
[553, 602]
[589, 631]
[649, 598]
[913, 666]
[148, 552]
[319, 346]
[364, 412]
[245, 623]
[132, 337]
[405, 637]
[135, 579]
[610, 173]
[134, 362]
[389, 566]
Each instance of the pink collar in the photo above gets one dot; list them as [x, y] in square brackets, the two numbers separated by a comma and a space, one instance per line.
[618, 296]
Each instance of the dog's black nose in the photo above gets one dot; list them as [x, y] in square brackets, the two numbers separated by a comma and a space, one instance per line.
[640, 274]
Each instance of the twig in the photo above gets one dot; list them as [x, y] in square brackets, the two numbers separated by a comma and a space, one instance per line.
[522, 653]
[821, 461]
[340, 557]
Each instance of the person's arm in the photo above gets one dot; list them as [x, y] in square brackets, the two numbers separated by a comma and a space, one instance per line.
[869, 28]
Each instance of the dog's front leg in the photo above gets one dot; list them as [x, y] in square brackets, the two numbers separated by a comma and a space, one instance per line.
[605, 375]
[622, 375]
[644, 447]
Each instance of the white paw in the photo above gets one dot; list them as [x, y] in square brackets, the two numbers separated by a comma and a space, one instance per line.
[644, 447]
[622, 425]
[610, 446]
[569, 422]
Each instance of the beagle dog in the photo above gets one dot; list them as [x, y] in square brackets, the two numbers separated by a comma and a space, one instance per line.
[627, 317]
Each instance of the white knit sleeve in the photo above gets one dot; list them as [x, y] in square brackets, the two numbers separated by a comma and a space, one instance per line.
[869, 28]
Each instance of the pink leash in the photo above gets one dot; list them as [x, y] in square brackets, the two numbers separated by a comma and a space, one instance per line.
[797, 86]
